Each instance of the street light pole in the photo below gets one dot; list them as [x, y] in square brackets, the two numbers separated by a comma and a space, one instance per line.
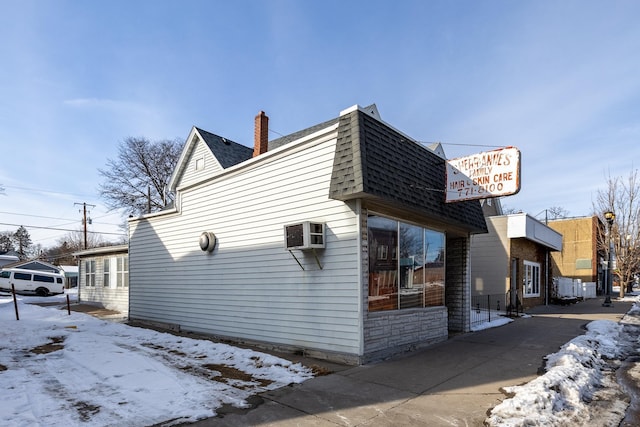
[610, 217]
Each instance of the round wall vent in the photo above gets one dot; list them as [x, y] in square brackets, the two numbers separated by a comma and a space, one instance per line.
[207, 241]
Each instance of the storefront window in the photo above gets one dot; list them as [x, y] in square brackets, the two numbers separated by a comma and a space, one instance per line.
[406, 265]
[410, 266]
[383, 268]
[434, 268]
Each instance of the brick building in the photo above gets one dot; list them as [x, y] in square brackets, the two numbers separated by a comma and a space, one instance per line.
[513, 260]
[580, 255]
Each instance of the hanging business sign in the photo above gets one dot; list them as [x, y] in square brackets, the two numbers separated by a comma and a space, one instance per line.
[484, 175]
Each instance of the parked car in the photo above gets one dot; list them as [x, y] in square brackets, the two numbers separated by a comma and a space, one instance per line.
[32, 282]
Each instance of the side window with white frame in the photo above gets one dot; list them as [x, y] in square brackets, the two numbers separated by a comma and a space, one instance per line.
[90, 273]
[531, 279]
[105, 272]
[122, 272]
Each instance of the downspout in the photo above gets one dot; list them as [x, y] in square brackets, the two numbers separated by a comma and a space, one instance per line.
[546, 279]
[79, 277]
[129, 269]
[361, 215]
[546, 263]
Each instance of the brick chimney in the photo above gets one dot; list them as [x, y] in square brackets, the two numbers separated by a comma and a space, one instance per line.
[261, 134]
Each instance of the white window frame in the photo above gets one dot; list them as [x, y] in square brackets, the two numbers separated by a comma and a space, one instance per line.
[106, 272]
[122, 272]
[531, 274]
[90, 273]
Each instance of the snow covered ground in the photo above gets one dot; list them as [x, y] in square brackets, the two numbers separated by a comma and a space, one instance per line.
[497, 319]
[590, 381]
[61, 369]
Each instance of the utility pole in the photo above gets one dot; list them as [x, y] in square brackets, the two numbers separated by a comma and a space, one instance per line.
[84, 220]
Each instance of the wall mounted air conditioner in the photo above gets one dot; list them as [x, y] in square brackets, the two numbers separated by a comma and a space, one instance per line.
[304, 235]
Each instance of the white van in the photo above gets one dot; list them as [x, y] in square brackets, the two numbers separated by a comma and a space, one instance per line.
[32, 282]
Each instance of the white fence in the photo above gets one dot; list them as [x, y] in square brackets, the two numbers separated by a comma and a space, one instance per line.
[566, 287]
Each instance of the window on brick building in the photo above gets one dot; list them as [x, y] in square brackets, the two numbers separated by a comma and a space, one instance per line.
[531, 279]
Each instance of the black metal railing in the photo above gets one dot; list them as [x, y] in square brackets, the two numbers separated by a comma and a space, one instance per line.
[513, 305]
[486, 308]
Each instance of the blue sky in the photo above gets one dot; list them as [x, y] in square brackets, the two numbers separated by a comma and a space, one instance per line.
[557, 79]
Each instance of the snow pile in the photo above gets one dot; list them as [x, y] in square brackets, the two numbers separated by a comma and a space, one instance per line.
[632, 317]
[60, 369]
[575, 377]
[498, 319]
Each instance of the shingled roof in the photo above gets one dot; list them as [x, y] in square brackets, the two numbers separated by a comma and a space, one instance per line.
[300, 134]
[380, 165]
[227, 152]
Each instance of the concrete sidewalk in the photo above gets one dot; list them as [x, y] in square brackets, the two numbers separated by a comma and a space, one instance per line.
[454, 383]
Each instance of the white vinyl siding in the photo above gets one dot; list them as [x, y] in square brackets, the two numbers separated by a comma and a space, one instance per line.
[250, 286]
[490, 254]
[105, 293]
[200, 153]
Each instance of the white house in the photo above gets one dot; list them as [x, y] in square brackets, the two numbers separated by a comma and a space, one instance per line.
[335, 241]
[103, 277]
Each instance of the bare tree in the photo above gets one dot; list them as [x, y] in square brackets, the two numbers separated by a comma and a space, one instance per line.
[622, 197]
[557, 212]
[62, 252]
[137, 179]
[508, 210]
[74, 241]
[36, 251]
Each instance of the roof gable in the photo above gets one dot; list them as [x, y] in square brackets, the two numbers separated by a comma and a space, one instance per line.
[34, 264]
[214, 151]
[227, 152]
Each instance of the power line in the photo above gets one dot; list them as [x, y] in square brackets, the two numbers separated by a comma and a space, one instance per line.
[59, 229]
[61, 219]
[277, 133]
[461, 145]
[35, 216]
[37, 190]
